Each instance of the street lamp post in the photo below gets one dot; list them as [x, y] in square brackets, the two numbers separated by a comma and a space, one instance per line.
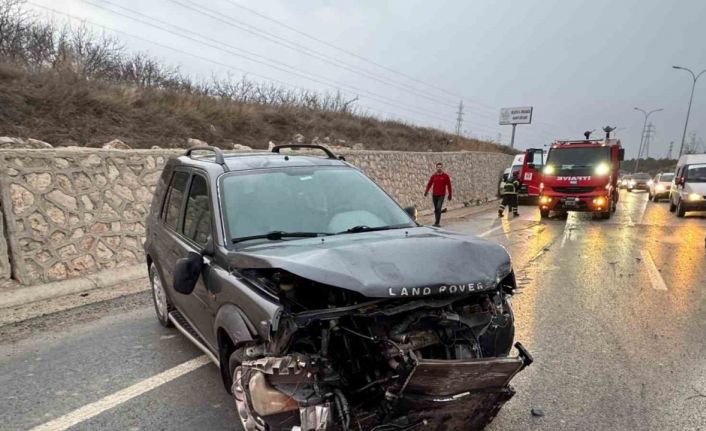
[688, 111]
[642, 138]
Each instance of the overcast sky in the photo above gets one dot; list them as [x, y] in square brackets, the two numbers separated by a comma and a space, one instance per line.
[581, 64]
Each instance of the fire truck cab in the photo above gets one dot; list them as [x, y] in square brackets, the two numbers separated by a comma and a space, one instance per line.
[581, 175]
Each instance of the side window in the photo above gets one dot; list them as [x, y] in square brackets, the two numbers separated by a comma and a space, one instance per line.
[535, 158]
[175, 197]
[197, 218]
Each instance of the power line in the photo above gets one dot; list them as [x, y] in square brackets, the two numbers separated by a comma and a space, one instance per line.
[459, 118]
[233, 22]
[379, 99]
[249, 54]
[231, 67]
[353, 54]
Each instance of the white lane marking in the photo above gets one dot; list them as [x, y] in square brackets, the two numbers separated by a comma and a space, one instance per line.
[94, 409]
[488, 232]
[655, 276]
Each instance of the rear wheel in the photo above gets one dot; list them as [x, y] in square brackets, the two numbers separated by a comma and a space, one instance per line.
[162, 304]
[681, 210]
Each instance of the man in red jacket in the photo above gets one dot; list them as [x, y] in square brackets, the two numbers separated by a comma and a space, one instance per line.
[438, 183]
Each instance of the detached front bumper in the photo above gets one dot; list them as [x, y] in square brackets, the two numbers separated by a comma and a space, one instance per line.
[582, 203]
[280, 393]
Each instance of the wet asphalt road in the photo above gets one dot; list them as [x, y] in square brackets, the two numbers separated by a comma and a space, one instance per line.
[613, 311]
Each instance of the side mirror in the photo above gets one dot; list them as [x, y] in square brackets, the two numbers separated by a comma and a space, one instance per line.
[187, 272]
[621, 154]
[412, 211]
[681, 181]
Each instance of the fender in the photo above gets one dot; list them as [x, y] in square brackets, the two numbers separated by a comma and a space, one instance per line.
[233, 321]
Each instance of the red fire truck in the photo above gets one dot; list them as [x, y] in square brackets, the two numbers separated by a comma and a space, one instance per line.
[581, 175]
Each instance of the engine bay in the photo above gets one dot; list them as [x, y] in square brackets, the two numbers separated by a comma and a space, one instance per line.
[338, 360]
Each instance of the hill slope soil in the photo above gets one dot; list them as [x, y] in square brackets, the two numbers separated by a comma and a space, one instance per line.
[63, 108]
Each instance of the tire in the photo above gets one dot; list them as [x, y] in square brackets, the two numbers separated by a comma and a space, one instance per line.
[162, 304]
[543, 213]
[629, 190]
[655, 198]
[681, 211]
[672, 207]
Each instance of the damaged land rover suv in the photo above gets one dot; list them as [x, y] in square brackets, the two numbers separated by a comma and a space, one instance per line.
[323, 303]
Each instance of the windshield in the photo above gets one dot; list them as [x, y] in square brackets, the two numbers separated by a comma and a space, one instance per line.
[696, 173]
[665, 178]
[577, 161]
[306, 200]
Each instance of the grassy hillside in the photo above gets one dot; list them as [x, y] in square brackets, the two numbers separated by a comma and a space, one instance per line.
[63, 108]
[67, 85]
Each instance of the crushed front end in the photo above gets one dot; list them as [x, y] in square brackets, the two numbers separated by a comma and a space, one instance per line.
[337, 360]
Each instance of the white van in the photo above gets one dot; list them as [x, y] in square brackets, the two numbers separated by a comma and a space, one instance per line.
[688, 189]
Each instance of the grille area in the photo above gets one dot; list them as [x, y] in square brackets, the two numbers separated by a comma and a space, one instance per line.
[575, 189]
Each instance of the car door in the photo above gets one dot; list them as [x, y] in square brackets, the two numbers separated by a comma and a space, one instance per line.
[164, 235]
[195, 231]
[530, 176]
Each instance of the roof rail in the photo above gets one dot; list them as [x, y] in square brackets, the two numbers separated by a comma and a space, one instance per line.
[329, 153]
[216, 151]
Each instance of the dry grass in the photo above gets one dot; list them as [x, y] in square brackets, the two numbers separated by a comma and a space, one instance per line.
[63, 108]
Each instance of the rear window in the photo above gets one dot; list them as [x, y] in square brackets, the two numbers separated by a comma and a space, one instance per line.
[642, 176]
[175, 197]
[666, 177]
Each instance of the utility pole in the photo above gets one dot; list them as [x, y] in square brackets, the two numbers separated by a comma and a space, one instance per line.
[649, 132]
[459, 119]
[669, 152]
[642, 137]
[692, 146]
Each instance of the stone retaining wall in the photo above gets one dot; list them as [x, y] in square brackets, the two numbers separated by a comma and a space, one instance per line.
[70, 212]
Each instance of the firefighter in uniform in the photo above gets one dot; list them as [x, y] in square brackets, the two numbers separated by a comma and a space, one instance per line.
[510, 188]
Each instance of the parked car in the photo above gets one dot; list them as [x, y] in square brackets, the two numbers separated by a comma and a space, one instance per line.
[639, 181]
[688, 189]
[323, 303]
[659, 186]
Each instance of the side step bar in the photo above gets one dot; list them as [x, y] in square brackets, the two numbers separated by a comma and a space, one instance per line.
[185, 328]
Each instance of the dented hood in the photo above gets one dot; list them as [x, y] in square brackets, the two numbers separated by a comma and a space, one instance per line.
[415, 262]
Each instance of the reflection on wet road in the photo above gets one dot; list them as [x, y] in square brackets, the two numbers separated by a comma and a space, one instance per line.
[614, 312]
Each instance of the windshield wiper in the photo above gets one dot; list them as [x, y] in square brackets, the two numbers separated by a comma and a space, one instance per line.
[277, 235]
[365, 228]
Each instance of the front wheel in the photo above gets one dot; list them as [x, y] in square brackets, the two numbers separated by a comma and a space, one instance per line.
[543, 213]
[162, 304]
[681, 211]
[672, 207]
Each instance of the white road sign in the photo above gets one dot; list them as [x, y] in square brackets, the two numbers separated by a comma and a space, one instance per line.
[519, 115]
